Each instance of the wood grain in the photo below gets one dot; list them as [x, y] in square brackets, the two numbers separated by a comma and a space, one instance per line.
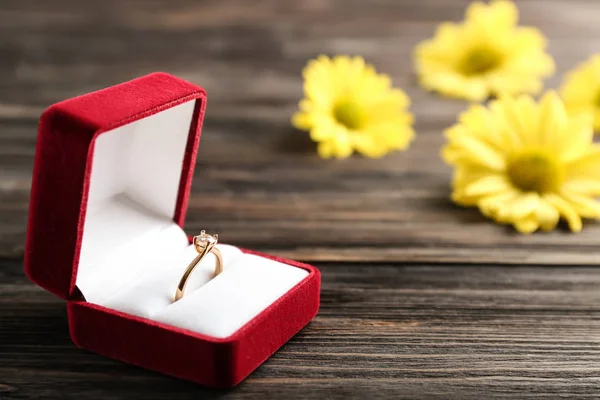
[258, 182]
[384, 331]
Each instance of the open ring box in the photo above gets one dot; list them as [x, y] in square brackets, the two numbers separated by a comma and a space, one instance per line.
[111, 182]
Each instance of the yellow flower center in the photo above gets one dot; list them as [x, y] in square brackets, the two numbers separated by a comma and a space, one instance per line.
[479, 61]
[535, 170]
[349, 114]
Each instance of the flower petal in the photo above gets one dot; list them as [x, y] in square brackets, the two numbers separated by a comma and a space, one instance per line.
[334, 148]
[580, 89]
[302, 121]
[552, 119]
[584, 205]
[468, 148]
[487, 185]
[509, 117]
[524, 205]
[576, 139]
[493, 206]
[587, 166]
[566, 210]
[528, 224]
[547, 215]
[585, 187]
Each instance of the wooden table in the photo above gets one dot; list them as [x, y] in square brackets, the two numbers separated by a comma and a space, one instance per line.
[420, 298]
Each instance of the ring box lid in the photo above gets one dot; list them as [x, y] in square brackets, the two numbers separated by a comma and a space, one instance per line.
[69, 132]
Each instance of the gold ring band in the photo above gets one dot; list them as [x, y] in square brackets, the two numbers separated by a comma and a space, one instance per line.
[204, 244]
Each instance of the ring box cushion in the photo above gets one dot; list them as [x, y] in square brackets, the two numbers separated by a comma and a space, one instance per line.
[111, 183]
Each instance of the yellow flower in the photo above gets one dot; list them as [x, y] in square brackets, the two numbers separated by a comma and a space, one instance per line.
[581, 89]
[487, 54]
[525, 163]
[348, 107]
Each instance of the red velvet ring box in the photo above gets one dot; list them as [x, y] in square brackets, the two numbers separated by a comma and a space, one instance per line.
[111, 182]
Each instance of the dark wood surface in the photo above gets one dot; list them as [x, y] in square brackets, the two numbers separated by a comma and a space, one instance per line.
[420, 298]
[384, 331]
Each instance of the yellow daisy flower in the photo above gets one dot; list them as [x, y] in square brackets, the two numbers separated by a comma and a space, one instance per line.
[525, 163]
[485, 55]
[349, 107]
[581, 89]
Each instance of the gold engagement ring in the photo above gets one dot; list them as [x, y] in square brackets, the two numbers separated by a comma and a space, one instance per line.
[204, 244]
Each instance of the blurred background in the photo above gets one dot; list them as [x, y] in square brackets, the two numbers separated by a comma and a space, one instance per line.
[259, 182]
